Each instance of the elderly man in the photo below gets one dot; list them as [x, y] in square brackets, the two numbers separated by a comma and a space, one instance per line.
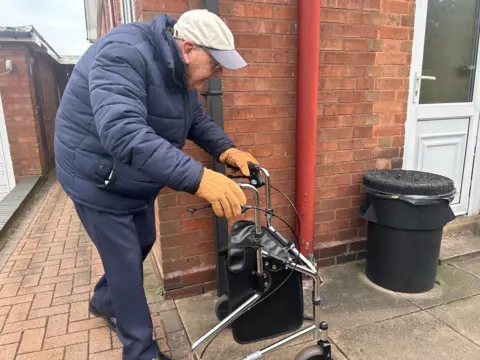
[127, 110]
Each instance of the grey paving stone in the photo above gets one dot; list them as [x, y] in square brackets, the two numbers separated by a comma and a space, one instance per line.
[411, 337]
[462, 316]
[453, 284]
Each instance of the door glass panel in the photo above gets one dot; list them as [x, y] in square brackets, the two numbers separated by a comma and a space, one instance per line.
[450, 53]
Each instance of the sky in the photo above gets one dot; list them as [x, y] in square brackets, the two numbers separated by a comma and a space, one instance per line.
[60, 22]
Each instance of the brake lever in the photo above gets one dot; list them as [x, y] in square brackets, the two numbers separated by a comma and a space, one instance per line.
[193, 210]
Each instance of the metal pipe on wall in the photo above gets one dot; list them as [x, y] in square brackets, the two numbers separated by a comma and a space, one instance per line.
[306, 128]
[215, 110]
[35, 71]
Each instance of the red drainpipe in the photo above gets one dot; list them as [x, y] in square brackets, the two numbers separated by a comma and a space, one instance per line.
[306, 131]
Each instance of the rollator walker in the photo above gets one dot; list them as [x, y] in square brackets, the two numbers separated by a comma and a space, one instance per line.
[264, 296]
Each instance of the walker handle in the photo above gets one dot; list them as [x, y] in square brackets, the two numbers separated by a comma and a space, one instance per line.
[257, 181]
[255, 178]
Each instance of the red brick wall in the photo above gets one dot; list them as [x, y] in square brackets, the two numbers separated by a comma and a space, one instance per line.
[148, 9]
[365, 58]
[185, 250]
[364, 66]
[16, 89]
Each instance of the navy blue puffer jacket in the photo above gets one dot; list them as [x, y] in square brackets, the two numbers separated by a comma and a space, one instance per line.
[125, 115]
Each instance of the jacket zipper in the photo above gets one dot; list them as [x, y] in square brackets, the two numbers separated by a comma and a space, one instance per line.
[185, 99]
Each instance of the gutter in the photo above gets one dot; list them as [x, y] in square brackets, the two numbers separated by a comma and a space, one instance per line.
[28, 34]
[215, 110]
[93, 18]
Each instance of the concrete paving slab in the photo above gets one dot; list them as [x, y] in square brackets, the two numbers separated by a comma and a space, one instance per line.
[290, 352]
[367, 321]
[462, 316]
[471, 266]
[469, 224]
[351, 300]
[459, 246]
[453, 284]
[198, 316]
[411, 337]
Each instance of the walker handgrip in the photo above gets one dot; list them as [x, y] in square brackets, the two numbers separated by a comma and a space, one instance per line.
[255, 178]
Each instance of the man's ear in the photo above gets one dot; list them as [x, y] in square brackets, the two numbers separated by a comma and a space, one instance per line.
[186, 47]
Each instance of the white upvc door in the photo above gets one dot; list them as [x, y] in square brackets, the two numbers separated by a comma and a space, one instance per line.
[444, 98]
[7, 178]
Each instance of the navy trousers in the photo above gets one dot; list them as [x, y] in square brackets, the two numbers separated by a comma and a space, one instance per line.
[123, 243]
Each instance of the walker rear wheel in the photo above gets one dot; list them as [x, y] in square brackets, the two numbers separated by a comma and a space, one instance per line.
[313, 352]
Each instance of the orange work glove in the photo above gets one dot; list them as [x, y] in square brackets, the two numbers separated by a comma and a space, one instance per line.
[223, 193]
[238, 158]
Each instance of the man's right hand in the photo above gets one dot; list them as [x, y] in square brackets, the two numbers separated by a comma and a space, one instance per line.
[223, 193]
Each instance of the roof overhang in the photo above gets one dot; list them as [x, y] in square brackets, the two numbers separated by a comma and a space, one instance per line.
[93, 18]
[28, 34]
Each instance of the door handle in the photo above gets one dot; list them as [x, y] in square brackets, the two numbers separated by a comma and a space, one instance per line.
[424, 77]
[418, 82]
[467, 67]
[419, 76]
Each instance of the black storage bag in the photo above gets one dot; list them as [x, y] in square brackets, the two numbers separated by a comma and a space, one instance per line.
[280, 313]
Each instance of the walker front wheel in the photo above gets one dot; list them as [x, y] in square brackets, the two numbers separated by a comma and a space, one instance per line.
[221, 307]
[314, 352]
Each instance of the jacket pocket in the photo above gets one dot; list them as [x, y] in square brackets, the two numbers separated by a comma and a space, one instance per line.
[103, 172]
[127, 182]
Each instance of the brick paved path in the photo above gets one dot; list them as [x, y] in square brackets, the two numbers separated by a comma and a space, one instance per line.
[48, 270]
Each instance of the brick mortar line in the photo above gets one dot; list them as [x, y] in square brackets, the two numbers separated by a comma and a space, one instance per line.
[17, 349]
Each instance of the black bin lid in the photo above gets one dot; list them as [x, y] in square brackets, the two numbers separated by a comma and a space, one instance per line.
[408, 182]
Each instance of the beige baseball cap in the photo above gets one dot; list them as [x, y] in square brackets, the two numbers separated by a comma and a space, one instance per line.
[206, 29]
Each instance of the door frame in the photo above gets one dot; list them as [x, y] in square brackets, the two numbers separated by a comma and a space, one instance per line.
[5, 144]
[411, 121]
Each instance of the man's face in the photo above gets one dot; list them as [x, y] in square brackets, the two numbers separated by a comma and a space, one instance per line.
[200, 65]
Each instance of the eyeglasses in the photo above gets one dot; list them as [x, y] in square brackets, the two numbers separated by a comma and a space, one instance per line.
[217, 65]
[214, 61]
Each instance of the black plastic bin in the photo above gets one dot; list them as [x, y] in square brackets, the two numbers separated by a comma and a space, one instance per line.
[406, 211]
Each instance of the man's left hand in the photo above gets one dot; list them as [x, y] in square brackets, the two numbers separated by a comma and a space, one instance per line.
[239, 159]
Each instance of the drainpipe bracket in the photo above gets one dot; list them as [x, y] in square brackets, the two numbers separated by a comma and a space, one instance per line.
[211, 93]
